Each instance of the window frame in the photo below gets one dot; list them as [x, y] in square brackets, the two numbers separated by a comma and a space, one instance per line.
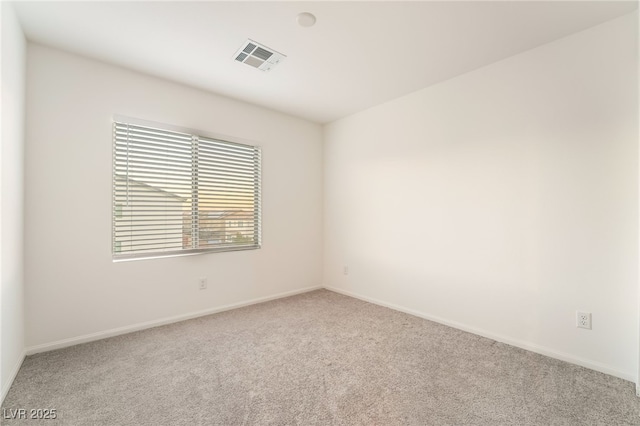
[189, 251]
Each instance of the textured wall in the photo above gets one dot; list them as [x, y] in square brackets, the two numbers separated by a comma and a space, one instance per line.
[73, 287]
[11, 196]
[501, 201]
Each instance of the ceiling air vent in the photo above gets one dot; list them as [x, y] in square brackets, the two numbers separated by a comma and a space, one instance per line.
[258, 56]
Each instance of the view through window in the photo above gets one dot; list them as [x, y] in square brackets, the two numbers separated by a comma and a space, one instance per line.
[180, 193]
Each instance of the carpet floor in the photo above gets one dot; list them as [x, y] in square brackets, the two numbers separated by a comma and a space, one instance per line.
[319, 358]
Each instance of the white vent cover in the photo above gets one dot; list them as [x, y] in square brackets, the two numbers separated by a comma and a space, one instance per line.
[258, 56]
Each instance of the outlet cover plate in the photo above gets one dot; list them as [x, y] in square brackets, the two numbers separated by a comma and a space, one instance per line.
[583, 320]
[202, 283]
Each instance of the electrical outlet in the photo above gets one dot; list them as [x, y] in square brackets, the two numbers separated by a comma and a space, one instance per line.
[345, 270]
[203, 283]
[583, 320]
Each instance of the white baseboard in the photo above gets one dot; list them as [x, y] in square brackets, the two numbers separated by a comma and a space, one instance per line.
[513, 342]
[156, 323]
[12, 376]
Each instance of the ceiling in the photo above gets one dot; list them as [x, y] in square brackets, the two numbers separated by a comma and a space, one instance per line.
[359, 54]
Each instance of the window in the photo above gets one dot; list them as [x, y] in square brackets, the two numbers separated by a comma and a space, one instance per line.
[174, 193]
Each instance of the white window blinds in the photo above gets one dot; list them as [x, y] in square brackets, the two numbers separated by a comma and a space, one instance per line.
[178, 193]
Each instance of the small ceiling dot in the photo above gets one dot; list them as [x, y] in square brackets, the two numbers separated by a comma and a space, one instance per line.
[306, 19]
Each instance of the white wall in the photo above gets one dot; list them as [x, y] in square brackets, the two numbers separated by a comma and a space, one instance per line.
[501, 201]
[73, 288]
[11, 196]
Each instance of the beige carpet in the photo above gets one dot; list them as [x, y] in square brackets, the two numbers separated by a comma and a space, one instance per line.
[315, 359]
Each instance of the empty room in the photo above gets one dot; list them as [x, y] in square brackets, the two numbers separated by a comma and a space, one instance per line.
[319, 213]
